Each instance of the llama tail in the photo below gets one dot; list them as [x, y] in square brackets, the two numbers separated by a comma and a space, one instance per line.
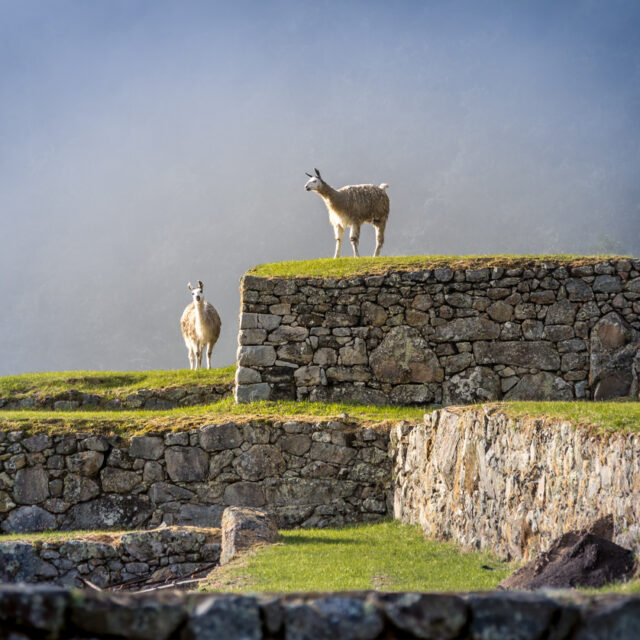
[384, 186]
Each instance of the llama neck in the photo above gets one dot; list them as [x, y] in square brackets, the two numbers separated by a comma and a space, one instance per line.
[327, 193]
[199, 309]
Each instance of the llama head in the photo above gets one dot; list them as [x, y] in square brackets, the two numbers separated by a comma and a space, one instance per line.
[315, 183]
[197, 292]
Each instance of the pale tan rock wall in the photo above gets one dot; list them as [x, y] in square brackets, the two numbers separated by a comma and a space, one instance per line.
[491, 482]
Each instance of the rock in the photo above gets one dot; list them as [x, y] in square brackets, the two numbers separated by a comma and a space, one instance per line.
[79, 488]
[252, 392]
[86, 463]
[500, 311]
[404, 357]
[18, 562]
[186, 464]
[259, 462]
[355, 353]
[196, 515]
[28, 519]
[297, 444]
[119, 480]
[308, 376]
[541, 355]
[408, 394]
[424, 615]
[297, 353]
[245, 375]
[96, 443]
[42, 608]
[578, 290]
[285, 334]
[607, 284]
[218, 437]
[332, 617]
[574, 560]
[541, 386]
[256, 356]
[108, 512]
[244, 494]
[149, 618]
[615, 619]
[164, 492]
[224, 616]
[31, 485]
[563, 312]
[146, 447]
[37, 443]
[373, 314]
[244, 528]
[477, 384]
[467, 330]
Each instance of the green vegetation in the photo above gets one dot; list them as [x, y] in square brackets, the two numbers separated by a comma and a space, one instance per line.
[128, 423]
[388, 556]
[604, 417]
[112, 382]
[335, 268]
[59, 536]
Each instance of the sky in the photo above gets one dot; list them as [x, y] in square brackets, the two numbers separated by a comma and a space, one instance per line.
[145, 144]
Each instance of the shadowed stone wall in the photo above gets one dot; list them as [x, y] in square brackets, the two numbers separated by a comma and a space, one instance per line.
[304, 474]
[60, 615]
[486, 481]
[448, 335]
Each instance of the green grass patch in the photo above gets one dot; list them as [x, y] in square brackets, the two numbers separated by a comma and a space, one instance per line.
[341, 267]
[603, 417]
[387, 556]
[112, 382]
[59, 536]
[128, 423]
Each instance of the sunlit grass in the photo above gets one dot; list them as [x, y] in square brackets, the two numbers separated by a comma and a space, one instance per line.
[388, 556]
[113, 383]
[335, 268]
[129, 423]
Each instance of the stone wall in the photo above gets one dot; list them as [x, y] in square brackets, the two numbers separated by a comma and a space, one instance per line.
[169, 398]
[511, 486]
[449, 335]
[109, 559]
[58, 614]
[304, 474]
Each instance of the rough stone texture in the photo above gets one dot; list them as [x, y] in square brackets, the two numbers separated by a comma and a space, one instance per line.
[303, 474]
[40, 611]
[490, 482]
[107, 559]
[420, 337]
[243, 528]
[169, 398]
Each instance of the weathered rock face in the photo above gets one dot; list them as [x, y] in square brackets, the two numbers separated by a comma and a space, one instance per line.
[304, 474]
[109, 559]
[35, 612]
[544, 331]
[169, 398]
[491, 482]
[244, 528]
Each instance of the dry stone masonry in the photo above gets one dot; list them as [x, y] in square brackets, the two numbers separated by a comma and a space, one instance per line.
[58, 614]
[512, 486]
[304, 474]
[447, 335]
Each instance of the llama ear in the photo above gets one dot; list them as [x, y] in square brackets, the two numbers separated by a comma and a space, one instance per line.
[190, 287]
[200, 284]
[319, 176]
[308, 174]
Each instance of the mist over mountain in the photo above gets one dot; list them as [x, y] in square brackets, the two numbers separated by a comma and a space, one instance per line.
[145, 144]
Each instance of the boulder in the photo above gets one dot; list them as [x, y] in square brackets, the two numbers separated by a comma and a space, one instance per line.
[113, 511]
[404, 357]
[541, 386]
[31, 485]
[260, 461]
[477, 384]
[186, 464]
[243, 528]
[539, 354]
[28, 519]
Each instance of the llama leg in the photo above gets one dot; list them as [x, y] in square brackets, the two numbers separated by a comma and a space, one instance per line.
[191, 358]
[379, 239]
[199, 358]
[337, 232]
[355, 239]
[209, 350]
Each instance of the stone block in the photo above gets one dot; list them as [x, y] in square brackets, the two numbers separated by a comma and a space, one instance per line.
[244, 528]
[146, 447]
[252, 392]
[256, 356]
[186, 464]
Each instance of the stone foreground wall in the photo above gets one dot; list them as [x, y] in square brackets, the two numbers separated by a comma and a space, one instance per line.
[169, 398]
[60, 615]
[304, 474]
[490, 482]
[452, 336]
[105, 559]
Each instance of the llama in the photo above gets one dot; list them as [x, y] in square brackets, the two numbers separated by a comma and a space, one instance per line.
[351, 206]
[200, 324]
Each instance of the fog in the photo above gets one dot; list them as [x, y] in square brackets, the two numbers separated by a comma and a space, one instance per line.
[144, 144]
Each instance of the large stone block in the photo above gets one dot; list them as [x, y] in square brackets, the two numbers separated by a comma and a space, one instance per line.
[146, 447]
[256, 356]
[28, 519]
[186, 464]
[252, 392]
[244, 528]
[31, 485]
[260, 461]
[541, 386]
[467, 330]
[218, 437]
[477, 384]
[108, 512]
[539, 355]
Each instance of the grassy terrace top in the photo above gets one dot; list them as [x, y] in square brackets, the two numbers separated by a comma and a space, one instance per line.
[344, 267]
[110, 382]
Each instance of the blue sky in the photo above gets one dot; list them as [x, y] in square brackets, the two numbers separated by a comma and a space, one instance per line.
[145, 144]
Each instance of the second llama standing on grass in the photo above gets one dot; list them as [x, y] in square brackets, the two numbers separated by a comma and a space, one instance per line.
[200, 324]
[352, 206]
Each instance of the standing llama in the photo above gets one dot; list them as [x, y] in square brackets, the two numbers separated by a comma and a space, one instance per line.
[351, 206]
[200, 324]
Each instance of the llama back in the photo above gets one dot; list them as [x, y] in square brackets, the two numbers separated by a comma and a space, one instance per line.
[365, 202]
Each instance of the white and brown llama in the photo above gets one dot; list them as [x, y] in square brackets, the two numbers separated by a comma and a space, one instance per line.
[200, 324]
[351, 206]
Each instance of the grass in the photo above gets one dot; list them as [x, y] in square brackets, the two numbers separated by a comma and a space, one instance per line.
[112, 382]
[128, 423]
[58, 536]
[340, 267]
[603, 417]
[387, 556]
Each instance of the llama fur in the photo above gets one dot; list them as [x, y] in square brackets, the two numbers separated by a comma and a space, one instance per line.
[200, 324]
[352, 206]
